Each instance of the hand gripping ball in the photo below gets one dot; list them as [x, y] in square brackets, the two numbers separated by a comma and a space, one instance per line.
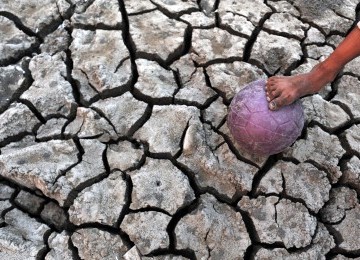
[259, 130]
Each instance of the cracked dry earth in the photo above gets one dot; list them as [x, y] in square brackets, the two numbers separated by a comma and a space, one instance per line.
[113, 135]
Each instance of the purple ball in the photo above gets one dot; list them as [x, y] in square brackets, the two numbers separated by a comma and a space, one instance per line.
[259, 130]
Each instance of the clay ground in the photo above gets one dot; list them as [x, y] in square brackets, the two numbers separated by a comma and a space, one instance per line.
[114, 142]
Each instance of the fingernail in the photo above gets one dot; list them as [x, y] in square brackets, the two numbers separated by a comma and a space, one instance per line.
[268, 99]
[272, 105]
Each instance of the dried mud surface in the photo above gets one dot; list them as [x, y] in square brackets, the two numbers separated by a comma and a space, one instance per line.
[114, 142]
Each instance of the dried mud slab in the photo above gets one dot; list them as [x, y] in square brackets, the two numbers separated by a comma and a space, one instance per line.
[147, 230]
[348, 94]
[322, 243]
[327, 15]
[133, 7]
[99, 13]
[306, 182]
[156, 35]
[230, 78]
[280, 221]
[215, 44]
[213, 230]
[215, 168]
[37, 166]
[58, 40]
[161, 185]
[13, 82]
[114, 142]
[102, 202]
[348, 230]
[285, 23]
[351, 175]
[22, 237]
[93, 243]
[17, 120]
[319, 147]
[154, 81]
[194, 88]
[14, 42]
[165, 128]
[326, 113]
[341, 200]
[52, 129]
[59, 245]
[124, 156]
[123, 112]
[84, 172]
[89, 124]
[254, 11]
[199, 19]
[39, 16]
[101, 61]
[275, 53]
[352, 136]
[50, 93]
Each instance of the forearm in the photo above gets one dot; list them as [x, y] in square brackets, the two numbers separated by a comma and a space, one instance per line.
[347, 50]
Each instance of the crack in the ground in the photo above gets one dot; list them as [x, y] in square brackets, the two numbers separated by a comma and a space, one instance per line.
[143, 12]
[102, 114]
[182, 50]
[77, 93]
[74, 250]
[162, 101]
[228, 28]
[141, 121]
[251, 230]
[201, 106]
[270, 162]
[128, 199]
[148, 209]
[320, 167]
[19, 24]
[98, 26]
[18, 137]
[69, 69]
[174, 15]
[85, 184]
[25, 85]
[233, 149]
[231, 59]
[86, 3]
[42, 253]
[34, 48]
[346, 109]
[80, 154]
[172, 225]
[219, 92]
[249, 44]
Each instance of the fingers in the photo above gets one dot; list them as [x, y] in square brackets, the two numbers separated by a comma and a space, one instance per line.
[272, 88]
[272, 105]
[270, 95]
[280, 101]
[269, 85]
[275, 104]
[272, 83]
[275, 93]
[280, 92]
